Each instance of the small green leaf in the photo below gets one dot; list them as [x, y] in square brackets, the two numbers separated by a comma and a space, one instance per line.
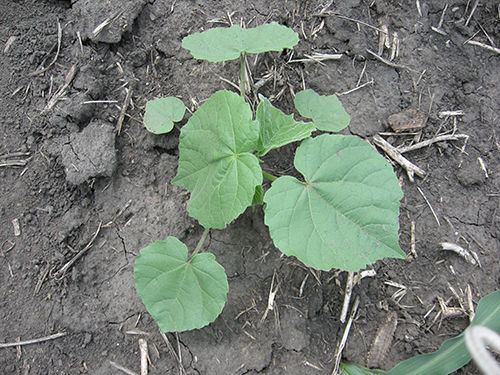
[345, 214]
[222, 44]
[327, 112]
[278, 129]
[216, 161]
[161, 113]
[453, 353]
[180, 294]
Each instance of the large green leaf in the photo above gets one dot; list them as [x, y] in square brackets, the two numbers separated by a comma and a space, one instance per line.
[345, 214]
[453, 353]
[180, 294]
[161, 113]
[222, 44]
[327, 112]
[216, 163]
[278, 129]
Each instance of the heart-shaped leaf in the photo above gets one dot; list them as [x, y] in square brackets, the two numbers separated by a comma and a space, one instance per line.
[327, 112]
[345, 214]
[161, 113]
[278, 129]
[216, 161]
[222, 44]
[180, 294]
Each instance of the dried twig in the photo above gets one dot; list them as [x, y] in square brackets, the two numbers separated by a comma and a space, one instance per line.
[387, 62]
[262, 81]
[122, 368]
[340, 348]
[143, 346]
[9, 42]
[361, 74]
[440, 138]
[14, 155]
[59, 38]
[485, 46]
[318, 57]
[229, 82]
[451, 113]
[60, 274]
[33, 341]
[482, 164]
[356, 88]
[329, 13]
[361, 275]
[106, 22]
[412, 239]
[173, 353]
[62, 90]
[401, 291]
[448, 312]
[460, 251]
[394, 153]
[302, 284]
[470, 304]
[16, 226]
[123, 110]
[476, 2]
[487, 35]
[347, 296]
[136, 331]
[41, 279]
[16, 161]
[438, 29]
[430, 206]
[270, 299]
[100, 102]
[10, 246]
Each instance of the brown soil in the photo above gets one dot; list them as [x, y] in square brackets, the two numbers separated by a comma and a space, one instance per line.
[123, 181]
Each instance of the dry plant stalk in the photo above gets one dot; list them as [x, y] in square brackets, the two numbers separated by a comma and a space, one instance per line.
[340, 348]
[395, 154]
[460, 251]
[382, 341]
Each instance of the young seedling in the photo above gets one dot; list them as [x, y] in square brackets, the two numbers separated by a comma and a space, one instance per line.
[342, 214]
[452, 354]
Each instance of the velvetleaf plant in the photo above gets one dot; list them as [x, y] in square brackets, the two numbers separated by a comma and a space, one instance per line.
[342, 214]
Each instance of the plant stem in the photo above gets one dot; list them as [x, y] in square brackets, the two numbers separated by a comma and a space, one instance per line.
[200, 243]
[242, 74]
[269, 176]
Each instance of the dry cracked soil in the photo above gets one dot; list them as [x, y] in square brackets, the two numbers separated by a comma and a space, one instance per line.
[72, 173]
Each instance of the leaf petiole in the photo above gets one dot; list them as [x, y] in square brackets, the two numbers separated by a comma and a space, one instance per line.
[242, 74]
[200, 243]
[269, 176]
